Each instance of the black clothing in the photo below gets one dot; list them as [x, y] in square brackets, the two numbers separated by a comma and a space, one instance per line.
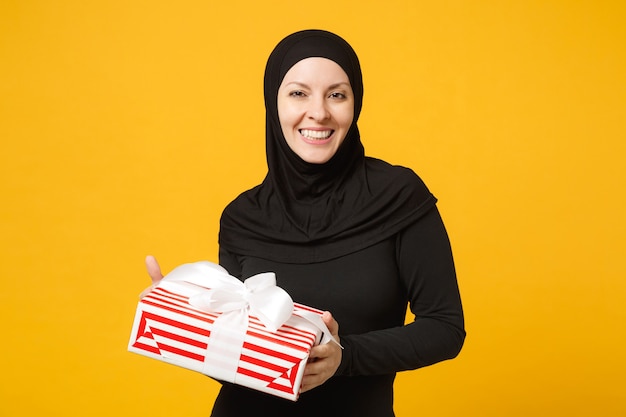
[367, 292]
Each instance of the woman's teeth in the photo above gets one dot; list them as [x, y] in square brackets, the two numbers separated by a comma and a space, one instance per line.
[316, 134]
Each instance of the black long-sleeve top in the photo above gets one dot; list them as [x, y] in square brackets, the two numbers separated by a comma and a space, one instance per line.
[367, 292]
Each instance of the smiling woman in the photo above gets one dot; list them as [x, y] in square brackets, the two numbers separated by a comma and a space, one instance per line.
[345, 233]
[315, 108]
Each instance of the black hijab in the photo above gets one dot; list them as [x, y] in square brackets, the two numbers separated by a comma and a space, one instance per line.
[304, 212]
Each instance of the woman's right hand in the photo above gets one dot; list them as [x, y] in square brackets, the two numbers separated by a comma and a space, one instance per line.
[154, 270]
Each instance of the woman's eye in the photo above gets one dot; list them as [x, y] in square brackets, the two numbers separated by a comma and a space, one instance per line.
[337, 95]
[297, 94]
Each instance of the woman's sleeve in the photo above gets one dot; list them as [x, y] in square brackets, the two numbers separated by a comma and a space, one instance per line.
[437, 333]
[229, 261]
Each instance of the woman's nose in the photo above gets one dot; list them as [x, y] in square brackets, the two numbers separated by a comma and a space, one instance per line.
[318, 110]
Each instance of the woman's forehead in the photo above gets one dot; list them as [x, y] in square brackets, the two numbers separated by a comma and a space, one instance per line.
[316, 68]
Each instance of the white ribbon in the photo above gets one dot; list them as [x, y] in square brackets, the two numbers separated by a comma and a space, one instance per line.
[223, 293]
[219, 292]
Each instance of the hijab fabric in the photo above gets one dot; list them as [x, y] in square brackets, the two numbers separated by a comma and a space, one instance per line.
[304, 212]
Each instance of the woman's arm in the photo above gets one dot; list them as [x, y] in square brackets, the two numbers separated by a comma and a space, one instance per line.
[229, 261]
[426, 268]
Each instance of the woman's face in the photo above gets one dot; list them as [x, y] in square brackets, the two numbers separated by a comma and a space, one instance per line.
[315, 108]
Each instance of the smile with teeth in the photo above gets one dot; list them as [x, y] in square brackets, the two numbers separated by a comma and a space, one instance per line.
[316, 134]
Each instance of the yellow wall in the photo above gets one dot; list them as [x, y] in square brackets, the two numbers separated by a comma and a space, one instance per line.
[126, 126]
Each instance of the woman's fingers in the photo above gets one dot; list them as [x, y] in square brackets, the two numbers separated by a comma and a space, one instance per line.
[331, 323]
[323, 359]
[154, 270]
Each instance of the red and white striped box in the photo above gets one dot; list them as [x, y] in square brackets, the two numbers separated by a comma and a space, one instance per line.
[168, 328]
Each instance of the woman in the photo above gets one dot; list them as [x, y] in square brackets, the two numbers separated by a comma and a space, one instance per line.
[343, 232]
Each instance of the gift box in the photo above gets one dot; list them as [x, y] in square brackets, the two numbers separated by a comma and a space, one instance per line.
[248, 333]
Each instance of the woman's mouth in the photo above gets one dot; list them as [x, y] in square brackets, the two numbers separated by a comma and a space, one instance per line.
[316, 134]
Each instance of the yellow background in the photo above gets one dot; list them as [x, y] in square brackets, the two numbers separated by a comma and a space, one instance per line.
[126, 126]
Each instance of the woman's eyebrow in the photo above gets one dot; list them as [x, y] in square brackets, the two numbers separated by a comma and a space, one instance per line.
[330, 87]
[340, 84]
[297, 83]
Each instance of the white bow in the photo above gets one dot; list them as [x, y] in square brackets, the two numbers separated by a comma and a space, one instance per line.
[222, 293]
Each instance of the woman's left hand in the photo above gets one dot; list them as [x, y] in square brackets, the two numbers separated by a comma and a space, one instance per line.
[324, 359]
